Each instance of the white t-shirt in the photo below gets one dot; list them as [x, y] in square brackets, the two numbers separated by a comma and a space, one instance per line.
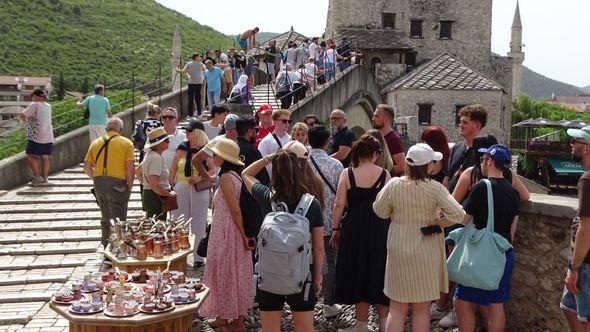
[224, 60]
[42, 112]
[175, 140]
[331, 56]
[268, 145]
[291, 57]
[153, 164]
[313, 47]
[210, 130]
[310, 69]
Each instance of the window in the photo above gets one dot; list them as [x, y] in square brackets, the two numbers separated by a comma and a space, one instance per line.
[446, 30]
[388, 20]
[457, 116]
[411, 58]
[424, 114]
[416, 29]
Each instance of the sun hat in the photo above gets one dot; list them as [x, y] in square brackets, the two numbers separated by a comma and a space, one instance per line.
[227, 149]
[421, 154]
[499, 153]
[156, 137]
[583, 133]
[297, 148]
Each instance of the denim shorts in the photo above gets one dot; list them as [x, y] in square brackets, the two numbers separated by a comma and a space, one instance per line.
[579, 303]
[487, 297]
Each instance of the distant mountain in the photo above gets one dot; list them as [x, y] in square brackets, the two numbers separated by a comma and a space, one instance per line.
[586, 89]
[538, 86]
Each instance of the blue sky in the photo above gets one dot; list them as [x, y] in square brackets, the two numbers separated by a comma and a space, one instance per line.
[556, 34]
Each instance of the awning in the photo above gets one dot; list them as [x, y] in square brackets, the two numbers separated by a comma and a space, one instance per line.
[565, 165]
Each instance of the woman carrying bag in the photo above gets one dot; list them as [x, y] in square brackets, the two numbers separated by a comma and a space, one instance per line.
[157, 196]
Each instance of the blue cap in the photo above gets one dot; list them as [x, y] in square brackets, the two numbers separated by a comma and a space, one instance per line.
[499, 153]
[583, 133]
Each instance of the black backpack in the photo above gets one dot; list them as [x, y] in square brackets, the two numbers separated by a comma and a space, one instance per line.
[251, 212]
[139, 136]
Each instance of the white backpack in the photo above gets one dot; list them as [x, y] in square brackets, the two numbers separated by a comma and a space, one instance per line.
[284, 249]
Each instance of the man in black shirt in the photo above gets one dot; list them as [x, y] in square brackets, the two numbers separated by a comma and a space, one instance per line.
[494, 161]
[473, 120]
[246, 128]
[341, 138]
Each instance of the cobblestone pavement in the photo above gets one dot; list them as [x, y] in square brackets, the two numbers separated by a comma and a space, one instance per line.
[51, 234]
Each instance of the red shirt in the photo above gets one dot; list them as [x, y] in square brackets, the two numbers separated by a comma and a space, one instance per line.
[262, 133]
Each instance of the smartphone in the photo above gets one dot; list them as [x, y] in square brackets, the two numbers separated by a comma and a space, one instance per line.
[429, 230]
[251, 243]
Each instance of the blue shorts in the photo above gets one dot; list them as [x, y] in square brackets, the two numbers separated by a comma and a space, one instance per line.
[579, 303]
[243, 43]
[38, 148]
[487, 297]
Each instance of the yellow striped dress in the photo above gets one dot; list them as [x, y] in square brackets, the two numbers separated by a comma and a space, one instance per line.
[416, 269]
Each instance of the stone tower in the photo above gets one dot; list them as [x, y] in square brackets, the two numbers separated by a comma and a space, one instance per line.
[175, 59]
[516, 54]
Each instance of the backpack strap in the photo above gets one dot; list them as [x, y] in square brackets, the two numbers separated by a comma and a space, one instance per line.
[304, 204]
[490, 224]
[322, 175]
[278, 140]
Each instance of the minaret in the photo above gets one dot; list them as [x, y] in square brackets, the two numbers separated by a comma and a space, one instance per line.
[175, 59]
[516, 53]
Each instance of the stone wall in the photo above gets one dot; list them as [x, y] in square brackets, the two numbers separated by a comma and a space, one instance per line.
[542, 248]
[70, 149]
[443, 110]
[387, 72]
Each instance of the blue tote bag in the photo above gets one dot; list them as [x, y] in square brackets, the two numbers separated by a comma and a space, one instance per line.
[479, 256]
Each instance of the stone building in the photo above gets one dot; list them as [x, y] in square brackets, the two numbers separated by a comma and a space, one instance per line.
[401, 36]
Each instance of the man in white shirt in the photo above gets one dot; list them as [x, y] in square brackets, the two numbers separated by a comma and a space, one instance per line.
[213, 126]
[313, 48]
[39, 144]
[170, 121]
[278, 138]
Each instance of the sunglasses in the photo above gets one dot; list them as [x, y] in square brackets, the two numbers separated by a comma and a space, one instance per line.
[574, 141]
[168, 117]
[285, 120]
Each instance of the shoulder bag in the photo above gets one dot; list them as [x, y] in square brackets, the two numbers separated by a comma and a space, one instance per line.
[479, 257]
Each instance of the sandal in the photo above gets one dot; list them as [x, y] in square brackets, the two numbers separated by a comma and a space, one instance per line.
[219, 324]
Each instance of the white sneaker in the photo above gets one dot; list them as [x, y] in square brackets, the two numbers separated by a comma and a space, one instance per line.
[332, 310]
[450, 320]
[358, 327]
[436, 312]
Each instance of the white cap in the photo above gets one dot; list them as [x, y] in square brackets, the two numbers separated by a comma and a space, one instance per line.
[421, 154]
[297, 148]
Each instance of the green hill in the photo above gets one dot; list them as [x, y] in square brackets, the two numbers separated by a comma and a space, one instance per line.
[106, 39]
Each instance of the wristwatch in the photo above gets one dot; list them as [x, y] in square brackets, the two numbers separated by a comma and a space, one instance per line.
[571, 266]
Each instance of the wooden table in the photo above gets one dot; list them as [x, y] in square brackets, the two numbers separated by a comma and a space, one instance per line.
[177, 260]
[178, 320]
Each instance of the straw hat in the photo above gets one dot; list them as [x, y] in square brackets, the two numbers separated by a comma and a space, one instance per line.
[156, 136]
[227, 149]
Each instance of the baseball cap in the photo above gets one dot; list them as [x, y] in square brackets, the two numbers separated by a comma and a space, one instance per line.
[297, 148]
[265, 108]
[583, 133]
[499, 153]
[421, 154]
[194, 124]
[230, 121]
[39, 93]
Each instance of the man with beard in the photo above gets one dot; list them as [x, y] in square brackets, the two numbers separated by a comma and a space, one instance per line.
[576, 297]
[341, 137]
[383, 121]
[246, 128]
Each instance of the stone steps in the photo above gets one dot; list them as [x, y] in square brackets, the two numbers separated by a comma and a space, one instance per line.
[59, 208]
[89, 199]
[40, 191]
[32, 279]
[47, 237]
[26, 297]
[50, 226]
[43, 217]
[54, 250]
[54, 264]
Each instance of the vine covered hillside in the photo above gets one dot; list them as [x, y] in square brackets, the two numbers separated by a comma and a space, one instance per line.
[96, 40]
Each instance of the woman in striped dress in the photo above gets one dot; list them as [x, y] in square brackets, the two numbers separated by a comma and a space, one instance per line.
[416, 271]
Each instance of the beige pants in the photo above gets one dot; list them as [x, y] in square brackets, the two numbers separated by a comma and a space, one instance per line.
[96, 131]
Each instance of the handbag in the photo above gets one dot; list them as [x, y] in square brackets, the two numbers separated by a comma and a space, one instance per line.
[202, 247]
[203, 185]
[168, 203]
[479, 258]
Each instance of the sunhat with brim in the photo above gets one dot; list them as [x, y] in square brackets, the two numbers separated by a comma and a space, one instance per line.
[227, 149]
[156, 137]
[583, 133]
[421, 154]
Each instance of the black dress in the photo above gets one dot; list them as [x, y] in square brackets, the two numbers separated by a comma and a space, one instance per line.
[362, 253]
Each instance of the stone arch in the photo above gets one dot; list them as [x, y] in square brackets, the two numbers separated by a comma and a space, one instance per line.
[374, 61]
[359, 111]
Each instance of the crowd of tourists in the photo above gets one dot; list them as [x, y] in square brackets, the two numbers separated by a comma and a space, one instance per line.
[311, 211]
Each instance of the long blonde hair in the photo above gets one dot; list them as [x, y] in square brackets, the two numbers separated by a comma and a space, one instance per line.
[384, 159]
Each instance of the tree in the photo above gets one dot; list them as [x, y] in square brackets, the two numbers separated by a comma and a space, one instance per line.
[85, 88]
[61, 87]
